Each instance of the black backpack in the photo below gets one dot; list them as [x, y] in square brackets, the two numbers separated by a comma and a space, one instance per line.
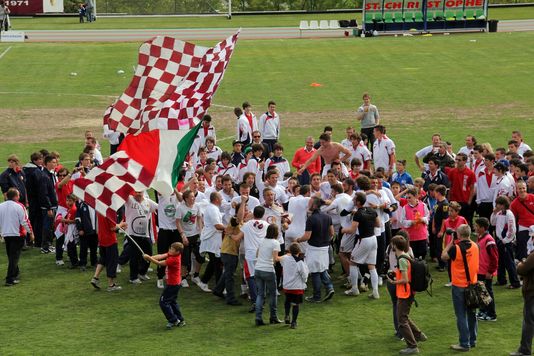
[421, 280]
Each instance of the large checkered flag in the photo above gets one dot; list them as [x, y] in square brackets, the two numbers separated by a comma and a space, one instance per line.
[160, 114]
[172, 87]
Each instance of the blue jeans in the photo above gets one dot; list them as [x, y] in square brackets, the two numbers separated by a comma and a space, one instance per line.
[265, 284]
[466, 320]
[319, 278]
[169, 305]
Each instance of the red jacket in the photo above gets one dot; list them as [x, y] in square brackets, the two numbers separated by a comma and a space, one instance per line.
[301, 156]
[523, 210]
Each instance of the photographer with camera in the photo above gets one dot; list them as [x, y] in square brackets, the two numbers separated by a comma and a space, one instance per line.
[463, 254]
[405, 296]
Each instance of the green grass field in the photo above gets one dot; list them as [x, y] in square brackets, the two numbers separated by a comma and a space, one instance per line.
[293, 20]
[422, 85]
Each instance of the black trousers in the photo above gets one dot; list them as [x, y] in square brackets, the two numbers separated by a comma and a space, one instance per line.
[467, 211]
[165, 239]
[36, 219]
[419, 248]
[227, 279]
[138, 266]
[13, 248]
[168, 302]
[214, 267]
[88, 243]
[369, 132]
[270, 144]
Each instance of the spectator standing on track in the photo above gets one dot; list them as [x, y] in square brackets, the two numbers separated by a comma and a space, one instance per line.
[369, 118]
[269, 126]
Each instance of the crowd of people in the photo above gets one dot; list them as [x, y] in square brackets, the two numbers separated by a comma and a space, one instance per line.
[280, 221]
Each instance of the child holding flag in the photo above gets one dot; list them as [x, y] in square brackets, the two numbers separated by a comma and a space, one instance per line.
[167, 302]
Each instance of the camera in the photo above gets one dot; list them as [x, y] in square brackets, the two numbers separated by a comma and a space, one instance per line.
[391, 275]
[449, 231]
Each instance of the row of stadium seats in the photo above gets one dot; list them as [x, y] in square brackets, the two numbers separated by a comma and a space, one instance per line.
[319, 25]
[399, 17]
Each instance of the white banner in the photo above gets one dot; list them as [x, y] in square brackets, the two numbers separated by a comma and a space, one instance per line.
[53, 6]
[12, 36]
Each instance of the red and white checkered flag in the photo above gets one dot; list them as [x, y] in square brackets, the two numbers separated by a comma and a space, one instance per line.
[172, 87]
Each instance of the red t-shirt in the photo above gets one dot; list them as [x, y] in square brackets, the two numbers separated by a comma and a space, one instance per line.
[461, 182]
[106, 236]
[173, 272]
[63, 192]
[451, 224]
[524, 210]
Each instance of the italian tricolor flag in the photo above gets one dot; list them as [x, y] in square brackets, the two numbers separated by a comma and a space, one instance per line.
[149, 160]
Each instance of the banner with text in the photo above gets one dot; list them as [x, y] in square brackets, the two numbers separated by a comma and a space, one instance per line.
[31, 7]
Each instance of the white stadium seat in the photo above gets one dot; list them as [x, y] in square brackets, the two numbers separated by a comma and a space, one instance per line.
[334, 24]
[304, 25]
[314, 25]
[323, 25]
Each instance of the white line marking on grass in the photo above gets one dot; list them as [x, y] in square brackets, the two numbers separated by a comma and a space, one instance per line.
[222, 106]
[4, 53]
[58, 94]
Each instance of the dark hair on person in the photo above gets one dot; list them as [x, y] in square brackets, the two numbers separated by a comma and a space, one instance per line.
[380, 128]
[238, 112]
[257, 147]
[363, 182]
[400, 243]
[294, 249]
[360, 198]
[177, 246]
[316, 202]
[206, 118]
[12, 193]
[482, 222]
[325, 137]
[328, 128]
[49, 159]
[489, 157]
[214, 196]
[441, 189]
[272, 232]
[226, 155]
[36, 156]
[337, 188]
[246, 105]
[305, 189]
[503, 200]
[271, 102]
[258, 212]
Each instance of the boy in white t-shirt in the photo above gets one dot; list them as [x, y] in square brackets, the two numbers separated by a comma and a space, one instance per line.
[295, 277]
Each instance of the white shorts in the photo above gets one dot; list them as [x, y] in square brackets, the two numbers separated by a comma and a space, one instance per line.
[317, 258]
[327, 166]
[364, 253]
[347, 243]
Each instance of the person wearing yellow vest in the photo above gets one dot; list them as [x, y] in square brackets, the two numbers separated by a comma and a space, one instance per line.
[405, 297]
[466, 320]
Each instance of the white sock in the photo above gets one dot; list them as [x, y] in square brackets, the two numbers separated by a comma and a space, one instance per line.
[354, 273]
[374, 281]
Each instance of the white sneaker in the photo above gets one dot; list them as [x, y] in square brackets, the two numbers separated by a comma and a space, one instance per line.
[159, 284]
[204, 287]
[184, 283]
[374, 296]
[196, 280]
[448, 284]
[380, 281]
[119, 270]
[60, 263]
[135, 281]
[352, 292]
[144, 277]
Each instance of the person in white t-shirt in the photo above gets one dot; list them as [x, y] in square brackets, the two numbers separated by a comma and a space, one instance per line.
[168, 232]
[298, 210]
[189, 222]
[264, 275]
[523, 147]
[419, 155]
[254, 232]
[138, 213]
[227, 195]
[271, 182]
[347, 141]
[383, 151]
[360, 151]
[211, 240]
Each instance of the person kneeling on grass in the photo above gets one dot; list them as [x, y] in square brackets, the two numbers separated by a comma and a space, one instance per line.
[405, 297]
[109, 252]
[167, 302]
